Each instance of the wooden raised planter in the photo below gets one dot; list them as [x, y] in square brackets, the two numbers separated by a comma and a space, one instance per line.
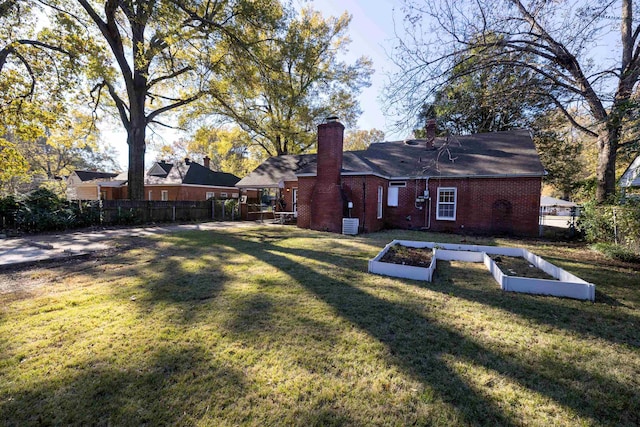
[564, 283]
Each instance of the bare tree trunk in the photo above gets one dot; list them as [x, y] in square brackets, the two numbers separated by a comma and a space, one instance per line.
[137, 149]
[606, 167]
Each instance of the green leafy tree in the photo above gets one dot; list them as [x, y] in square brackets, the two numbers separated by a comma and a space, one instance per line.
[290, 83]
[13, 167]
[554, 40]
[360, 139]
[229, 149]
[561, 153]
[156, 57]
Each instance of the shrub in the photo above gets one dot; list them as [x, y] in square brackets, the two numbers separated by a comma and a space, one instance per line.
[8, 208]
[617, 252]
[617, 224]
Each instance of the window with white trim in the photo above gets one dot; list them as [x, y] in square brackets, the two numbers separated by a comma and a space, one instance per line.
[150, 195]
[380, 202]
[164, 195]
[446, 209]
[223, 195]
[210, 195]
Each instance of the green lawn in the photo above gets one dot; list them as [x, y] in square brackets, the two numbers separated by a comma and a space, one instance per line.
[282, 326]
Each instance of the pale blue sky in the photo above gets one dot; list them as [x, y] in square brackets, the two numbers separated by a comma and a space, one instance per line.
[371, 32]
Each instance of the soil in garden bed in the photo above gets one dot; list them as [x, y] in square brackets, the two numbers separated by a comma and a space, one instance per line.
[519, 267]
[404, 255]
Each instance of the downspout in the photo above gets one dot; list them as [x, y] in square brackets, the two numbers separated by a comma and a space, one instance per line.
[427, 220]
[364, 204]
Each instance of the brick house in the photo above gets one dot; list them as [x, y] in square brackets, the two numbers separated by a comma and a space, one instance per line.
[168, 182]
[483, 183]
[188, 180]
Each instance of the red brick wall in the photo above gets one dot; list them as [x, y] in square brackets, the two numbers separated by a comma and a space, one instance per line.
[478, 208]
[476, 205]
[305, 190]
[326, 202]
[363, 192]
[187, 193]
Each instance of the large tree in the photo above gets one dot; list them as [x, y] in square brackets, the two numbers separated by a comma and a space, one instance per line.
[163, 54]
[361, 139]
[229, 149]
[476, 99]
[291, 83]
[557, 41]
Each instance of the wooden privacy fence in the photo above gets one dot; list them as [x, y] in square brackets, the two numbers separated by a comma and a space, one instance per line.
[134, 211]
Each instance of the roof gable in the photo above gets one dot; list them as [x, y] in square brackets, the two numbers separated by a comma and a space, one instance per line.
[193, 174]
[160, 169]
[631, 177]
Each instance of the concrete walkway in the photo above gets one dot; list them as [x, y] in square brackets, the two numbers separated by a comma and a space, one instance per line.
[29, 249]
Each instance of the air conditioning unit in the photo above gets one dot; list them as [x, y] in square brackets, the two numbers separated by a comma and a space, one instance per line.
[350, 225]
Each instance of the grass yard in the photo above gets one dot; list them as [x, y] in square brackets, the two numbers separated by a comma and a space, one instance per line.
[282, 326]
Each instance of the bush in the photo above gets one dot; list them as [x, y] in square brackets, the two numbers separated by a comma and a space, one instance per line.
[43, 210]
[616, 224]
[8, 208]
[617, 252]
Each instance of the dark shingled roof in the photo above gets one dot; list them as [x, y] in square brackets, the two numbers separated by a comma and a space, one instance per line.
[276, 169]
[485, 154]
[194, 174]
[91, 175]
[509, 153]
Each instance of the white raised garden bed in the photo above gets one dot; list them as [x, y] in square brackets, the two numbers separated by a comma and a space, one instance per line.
[564, 285]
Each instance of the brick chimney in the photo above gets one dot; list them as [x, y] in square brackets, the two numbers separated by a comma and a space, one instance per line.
[207, 162]
[430, 131]
[326, 199]
[187, 161]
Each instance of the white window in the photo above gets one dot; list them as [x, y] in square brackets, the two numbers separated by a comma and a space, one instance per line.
[150, 195]
[392, 196]
[210, 195]
[294, 200]
[397, 183]
[380, 202]
[164, 195]
[446, 209]
[223, 195]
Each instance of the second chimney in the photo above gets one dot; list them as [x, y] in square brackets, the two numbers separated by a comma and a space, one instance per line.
[207, 162]
[430, 131]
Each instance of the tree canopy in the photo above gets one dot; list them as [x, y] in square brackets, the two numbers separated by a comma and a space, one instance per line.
[553, 41]
[360, 139]
[229, 149]
[291, 82]
[152, 56]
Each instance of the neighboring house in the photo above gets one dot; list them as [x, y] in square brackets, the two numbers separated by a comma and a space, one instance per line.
[630, 180]
[87, 185]
[163, 181]
[553, 206]
[188, 181]
[483, 183]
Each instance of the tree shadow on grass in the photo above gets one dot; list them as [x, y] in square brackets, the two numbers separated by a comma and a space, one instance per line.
[582, 317]
[162, 391]
[185, 274]
[419, 344]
